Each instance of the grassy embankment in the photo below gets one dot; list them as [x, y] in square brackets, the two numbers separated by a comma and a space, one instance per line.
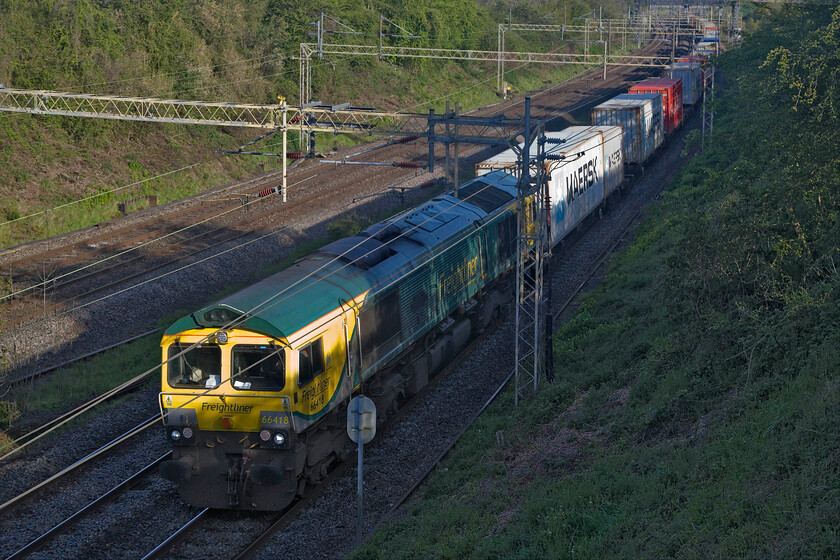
[235, 51]
[695, 410]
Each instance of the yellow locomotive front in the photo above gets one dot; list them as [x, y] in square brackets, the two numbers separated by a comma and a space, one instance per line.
[227, 414]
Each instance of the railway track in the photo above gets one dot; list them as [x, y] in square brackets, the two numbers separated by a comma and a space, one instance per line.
[606, 94]
[202, 521]
[269, 538]
[107, 498]
[588, 255]
[70, 271]
[556, 312]
[283, 519]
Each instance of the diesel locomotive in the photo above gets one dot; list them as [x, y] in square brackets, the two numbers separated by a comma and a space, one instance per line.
[255, 386]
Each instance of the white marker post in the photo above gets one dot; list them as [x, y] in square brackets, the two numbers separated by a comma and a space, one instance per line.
[361, 427]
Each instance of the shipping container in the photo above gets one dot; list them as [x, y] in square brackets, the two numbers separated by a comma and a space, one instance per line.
[707, 45]
[672, 99]
[691, 76]
[588, 170]
[640, 117]
[701, 60]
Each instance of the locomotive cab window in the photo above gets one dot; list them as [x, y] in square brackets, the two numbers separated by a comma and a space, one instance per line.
[259, 367]
[200, 366]
[310, 362]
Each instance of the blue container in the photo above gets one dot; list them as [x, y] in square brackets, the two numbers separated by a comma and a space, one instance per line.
[692, 80]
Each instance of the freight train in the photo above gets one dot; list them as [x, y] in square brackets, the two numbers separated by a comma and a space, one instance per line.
[255, 387]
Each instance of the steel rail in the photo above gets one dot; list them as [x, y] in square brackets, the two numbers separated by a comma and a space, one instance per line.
[253, 182]
[108, 497]
[57, 475]
[498, 391]
[591, 272]
[84, 460]
[32, 376]
[445, 452]
[597, 264]
[175, 538]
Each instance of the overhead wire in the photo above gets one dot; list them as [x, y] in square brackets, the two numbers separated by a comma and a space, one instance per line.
[152, 241]
[122, 253]
[210, 87]
[451, 245]
[111, 191]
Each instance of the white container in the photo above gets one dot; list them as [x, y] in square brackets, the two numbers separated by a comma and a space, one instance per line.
[640, 116]
[585, 168]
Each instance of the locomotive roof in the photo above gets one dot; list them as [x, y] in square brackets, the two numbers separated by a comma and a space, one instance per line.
[317, 284]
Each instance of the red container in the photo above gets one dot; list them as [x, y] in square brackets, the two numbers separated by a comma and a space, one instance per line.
[672, 99]
[701, 60]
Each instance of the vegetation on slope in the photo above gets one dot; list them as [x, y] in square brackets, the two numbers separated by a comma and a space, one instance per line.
[216, 51]
[696, 403]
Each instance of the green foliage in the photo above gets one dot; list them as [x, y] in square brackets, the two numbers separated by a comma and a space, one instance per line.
[9, 412]
[695, 411]
[811, 72]
[232, 51]
[95, 376]
[343, 227]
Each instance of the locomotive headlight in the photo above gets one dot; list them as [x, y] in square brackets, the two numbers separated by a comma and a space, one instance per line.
[279, 438]
[175, 435]
[187, 432]
[222, 337]
[265, 435]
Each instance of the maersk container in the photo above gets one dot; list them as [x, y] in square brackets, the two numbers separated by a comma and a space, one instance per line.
[640, 117]
[691, 76]
[588, 168]
[672, 99]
